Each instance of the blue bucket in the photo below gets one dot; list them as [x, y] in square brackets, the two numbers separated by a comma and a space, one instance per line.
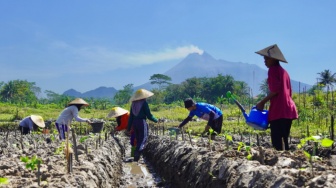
[173, 130]
[258, 119]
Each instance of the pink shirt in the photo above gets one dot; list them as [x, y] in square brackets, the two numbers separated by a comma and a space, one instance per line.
[281, 105]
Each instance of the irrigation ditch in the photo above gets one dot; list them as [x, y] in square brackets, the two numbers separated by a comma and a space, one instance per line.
[170, 160]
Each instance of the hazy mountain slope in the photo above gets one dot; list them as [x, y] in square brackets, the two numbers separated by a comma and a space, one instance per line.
[196, 65]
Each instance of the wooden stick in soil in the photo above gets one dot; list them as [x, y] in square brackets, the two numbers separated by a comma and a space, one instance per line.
[75, 145]
[190, 138]
[332, 130]
[182, 133]
[38, 174]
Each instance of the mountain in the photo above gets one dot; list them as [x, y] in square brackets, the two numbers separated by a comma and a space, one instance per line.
[101, 92]
[201, 65]
[196, 65]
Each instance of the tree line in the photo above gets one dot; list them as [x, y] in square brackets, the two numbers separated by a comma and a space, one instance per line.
[211, 90]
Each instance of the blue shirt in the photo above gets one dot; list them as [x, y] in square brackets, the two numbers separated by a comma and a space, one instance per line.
[27, 123]
[203, 110]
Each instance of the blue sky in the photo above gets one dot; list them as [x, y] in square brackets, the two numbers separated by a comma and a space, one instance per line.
[83, 44]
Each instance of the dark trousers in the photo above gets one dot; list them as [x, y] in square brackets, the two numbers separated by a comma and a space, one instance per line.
[280, 130]
[217, 124]
[24, 130]
[141, 134]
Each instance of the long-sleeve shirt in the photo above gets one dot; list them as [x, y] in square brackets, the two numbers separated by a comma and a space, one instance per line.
[68, 114]
[204, 111]
[27, 122]
[281, 105]
[143, 114]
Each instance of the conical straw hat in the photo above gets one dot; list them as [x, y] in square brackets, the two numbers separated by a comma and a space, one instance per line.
[116, 111]
[274, 52]
[38, 120]
[79, 101]
[141, 94]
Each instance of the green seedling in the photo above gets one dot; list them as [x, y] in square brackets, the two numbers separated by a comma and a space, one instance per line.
[318, 140]
[247, 149]
[4, 181]
[31, 163]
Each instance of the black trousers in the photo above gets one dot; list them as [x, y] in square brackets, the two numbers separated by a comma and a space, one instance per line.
[217, 124]
[24, 130]
[280, 130]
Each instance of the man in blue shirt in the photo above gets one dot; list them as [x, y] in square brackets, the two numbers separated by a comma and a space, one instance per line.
[207, 112]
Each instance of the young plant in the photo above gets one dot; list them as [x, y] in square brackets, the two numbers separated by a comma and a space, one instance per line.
[3, 181]
[317, 140]
[247, 149]
[31, 163]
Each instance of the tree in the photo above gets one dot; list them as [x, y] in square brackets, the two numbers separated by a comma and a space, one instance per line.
[327, 79]
[19, 91]
[193, 87]
[160, 79]
[122, 96]
[264, 88]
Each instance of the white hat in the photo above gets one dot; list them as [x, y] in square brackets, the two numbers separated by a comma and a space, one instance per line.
[79, 101]
[141, 94]
[38, 120]
[274, 52]
[116, 111]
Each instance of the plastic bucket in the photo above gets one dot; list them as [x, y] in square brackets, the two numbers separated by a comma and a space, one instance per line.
[97, 127]
[173, 131]
[258, 119]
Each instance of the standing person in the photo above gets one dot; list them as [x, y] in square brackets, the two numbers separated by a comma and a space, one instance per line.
[31, 123]
[282, 109]
[66, 116]
[122, 117]
[205, 111]
[139, 112]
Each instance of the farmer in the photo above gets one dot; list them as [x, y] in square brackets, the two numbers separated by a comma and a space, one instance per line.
[139, 113]
[31, 123]
[205, 111]
[71, 111]
[282, 109]
[122, 116]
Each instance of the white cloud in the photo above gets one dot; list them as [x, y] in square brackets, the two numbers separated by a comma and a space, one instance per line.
[97, 59]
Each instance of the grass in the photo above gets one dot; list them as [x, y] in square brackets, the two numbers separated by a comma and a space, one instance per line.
[233, 123]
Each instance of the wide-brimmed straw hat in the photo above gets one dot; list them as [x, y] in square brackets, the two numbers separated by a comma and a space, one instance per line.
[116, 111]
[274, 52]
[141, 94]
[79, 101]
[38, 120]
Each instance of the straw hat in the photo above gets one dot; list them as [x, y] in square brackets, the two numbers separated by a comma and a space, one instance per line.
[116, 111]
[38, 120]
[274, 52]
[79, 101]
[141, 94]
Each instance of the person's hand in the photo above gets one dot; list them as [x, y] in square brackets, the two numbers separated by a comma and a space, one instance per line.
[88, 121]
[160, 120]
[260, 106]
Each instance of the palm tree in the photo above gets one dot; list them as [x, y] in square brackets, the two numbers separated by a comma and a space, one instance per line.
[327, 79]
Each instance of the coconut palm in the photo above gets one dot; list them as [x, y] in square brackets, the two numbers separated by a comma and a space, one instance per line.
[327, 79]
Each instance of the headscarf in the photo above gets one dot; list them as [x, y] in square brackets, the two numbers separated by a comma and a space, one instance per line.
[136, 106]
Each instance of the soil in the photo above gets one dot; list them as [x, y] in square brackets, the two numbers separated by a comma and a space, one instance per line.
[169, 161]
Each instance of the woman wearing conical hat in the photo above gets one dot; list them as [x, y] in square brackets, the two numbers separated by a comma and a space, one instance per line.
[282, 109]
[31, 123]
[138, 114]
[69, 113]
[122, 117]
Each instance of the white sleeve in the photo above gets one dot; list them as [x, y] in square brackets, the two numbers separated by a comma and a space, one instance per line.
[76, 116]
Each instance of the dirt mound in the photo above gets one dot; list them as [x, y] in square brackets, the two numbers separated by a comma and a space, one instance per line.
[184, 165]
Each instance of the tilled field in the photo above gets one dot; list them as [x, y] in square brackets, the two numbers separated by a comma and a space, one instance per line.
[193, 162]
